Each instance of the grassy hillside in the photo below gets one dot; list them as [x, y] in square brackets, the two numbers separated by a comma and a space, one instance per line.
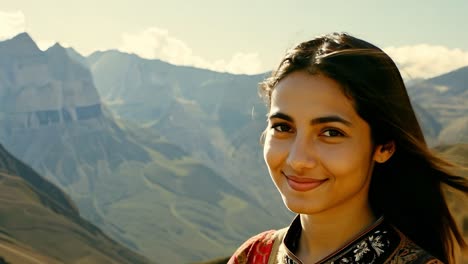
[36, 225]
[146, 192]
[459, 207]
[12, 251]
[177, 209]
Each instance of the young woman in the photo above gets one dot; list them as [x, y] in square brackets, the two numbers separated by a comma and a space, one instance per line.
[345, 150]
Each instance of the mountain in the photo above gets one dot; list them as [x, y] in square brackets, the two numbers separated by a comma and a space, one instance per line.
[455, 131]
[430, 126]
[457, 154]
[136, 184]
[43, 87]
[77, 57]
[38, 221]
[215, 117]
[444, 98]
[455, 81]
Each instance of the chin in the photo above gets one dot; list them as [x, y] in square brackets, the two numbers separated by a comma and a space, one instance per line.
[300, 206]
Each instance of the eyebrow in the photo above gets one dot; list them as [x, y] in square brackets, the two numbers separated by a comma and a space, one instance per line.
[315, 121]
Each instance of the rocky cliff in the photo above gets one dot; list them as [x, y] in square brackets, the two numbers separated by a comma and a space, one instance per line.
[43, 88]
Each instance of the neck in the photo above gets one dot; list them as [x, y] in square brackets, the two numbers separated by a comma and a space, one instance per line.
[327, 231]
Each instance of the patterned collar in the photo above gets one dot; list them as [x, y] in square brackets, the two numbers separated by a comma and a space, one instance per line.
[373, 245]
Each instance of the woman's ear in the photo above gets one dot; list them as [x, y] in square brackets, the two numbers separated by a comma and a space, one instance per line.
[384, 152]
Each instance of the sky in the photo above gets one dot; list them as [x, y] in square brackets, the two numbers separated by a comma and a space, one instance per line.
[425, 38]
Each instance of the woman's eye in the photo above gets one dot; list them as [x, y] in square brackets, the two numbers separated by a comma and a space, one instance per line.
[332, 133]
[281, 127]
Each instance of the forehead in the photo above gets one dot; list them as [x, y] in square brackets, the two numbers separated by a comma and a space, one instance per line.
[312, 94]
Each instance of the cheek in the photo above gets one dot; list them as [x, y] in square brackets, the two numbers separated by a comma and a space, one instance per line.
[345, 159]
[274, 152]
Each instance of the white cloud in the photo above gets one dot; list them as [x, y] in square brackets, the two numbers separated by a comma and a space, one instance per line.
[425, 61]
[14, 23]
[248, 63]
[11, 24]
[415, 61]
[156, 43]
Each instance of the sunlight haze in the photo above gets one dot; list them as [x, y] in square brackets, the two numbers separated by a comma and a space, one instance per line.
[244, 36]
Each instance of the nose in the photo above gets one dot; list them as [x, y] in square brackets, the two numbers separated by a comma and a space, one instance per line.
[301, 155]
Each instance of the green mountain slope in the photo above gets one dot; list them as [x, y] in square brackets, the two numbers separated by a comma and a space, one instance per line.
[38, 221]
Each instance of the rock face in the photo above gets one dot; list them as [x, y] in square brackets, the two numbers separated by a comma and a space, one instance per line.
[215, 117]
[49, 97]
[43, 88]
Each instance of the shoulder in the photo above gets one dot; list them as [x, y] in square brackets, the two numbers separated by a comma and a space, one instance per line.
[255, 250]
[410, 252]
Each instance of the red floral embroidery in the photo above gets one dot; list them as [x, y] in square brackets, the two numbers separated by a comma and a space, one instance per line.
[256, 250]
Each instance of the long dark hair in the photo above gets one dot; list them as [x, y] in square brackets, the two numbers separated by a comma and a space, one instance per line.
[407, 189]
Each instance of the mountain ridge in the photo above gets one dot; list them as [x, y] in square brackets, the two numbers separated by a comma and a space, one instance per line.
[20, 45]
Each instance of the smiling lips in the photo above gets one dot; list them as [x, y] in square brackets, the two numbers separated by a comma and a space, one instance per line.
[303, 184]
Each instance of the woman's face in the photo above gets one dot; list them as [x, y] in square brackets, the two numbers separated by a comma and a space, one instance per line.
[317, 148]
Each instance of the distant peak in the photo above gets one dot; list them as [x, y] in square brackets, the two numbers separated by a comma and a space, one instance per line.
[57, 45]
[22, 37]
[56, 50]
[462, 70]
[457, 75]
[71, 49]
[22, 41]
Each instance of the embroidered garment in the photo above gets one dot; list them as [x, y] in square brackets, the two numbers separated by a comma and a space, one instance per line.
[380, 243]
